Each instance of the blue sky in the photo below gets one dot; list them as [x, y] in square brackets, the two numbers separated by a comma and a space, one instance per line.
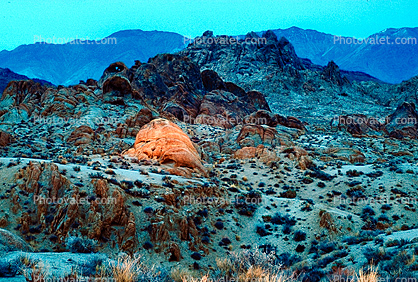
[22, 20]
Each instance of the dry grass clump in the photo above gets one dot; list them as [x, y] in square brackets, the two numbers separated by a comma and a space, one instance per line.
[369, 276]
[131, 269]
[251, 266]
[180, 274]
[38, 272]
[126, 269]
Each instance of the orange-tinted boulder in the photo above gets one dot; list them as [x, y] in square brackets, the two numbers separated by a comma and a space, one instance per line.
[164, 141]
[5, 138]
[265, 155]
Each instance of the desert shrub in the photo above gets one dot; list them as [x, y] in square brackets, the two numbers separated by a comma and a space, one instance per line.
[287, 228]
[327, 247]
[92, 265]
[367, 212]
[299, 236]
[375, 255]
[80, 245]
[356, 193]
[278, 218]
[242, 261]
[288, 260]
[261, 230]
[9, 267]
[310, 274]
[397, 264]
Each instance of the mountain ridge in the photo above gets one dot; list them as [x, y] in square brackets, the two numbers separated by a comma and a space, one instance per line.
[69, 63]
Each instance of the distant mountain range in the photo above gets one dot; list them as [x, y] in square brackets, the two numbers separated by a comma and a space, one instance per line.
[391, 63]
[68, 63]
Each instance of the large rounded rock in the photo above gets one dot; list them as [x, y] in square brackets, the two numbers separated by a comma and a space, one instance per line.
[164, 141]
[10, 242]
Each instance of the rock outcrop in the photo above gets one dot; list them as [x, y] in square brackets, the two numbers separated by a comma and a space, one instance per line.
[332, 73]
[359, 125]
[403, 122]
[164, 141]
[11, 242]
[116, 78]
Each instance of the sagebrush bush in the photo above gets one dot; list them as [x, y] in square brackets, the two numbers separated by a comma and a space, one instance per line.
[10, 267]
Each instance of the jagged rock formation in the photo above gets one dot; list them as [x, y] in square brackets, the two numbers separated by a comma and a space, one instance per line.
[332, 73]
[403, 122]
[292, 86]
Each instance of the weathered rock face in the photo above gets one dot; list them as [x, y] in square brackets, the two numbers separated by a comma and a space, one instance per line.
[11, 242]
[116, 78]
[358, 124]
[332, 73]
[166, 142]
[60, 207]
[267, 118]
[221, 108]
[403, 122]
[212, 81]
[171, 84]
[81, 135]
[23, 95]
[345, 154]
[253, 135]
[226, 104]
[150, 85]
[133, 124]
[5, 138]
[265, 155]
[244, 59]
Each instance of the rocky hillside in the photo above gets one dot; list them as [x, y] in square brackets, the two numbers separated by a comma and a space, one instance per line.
[391, 63]
[211, 161]
[295, 86]
[7, 75]
[69, 63]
